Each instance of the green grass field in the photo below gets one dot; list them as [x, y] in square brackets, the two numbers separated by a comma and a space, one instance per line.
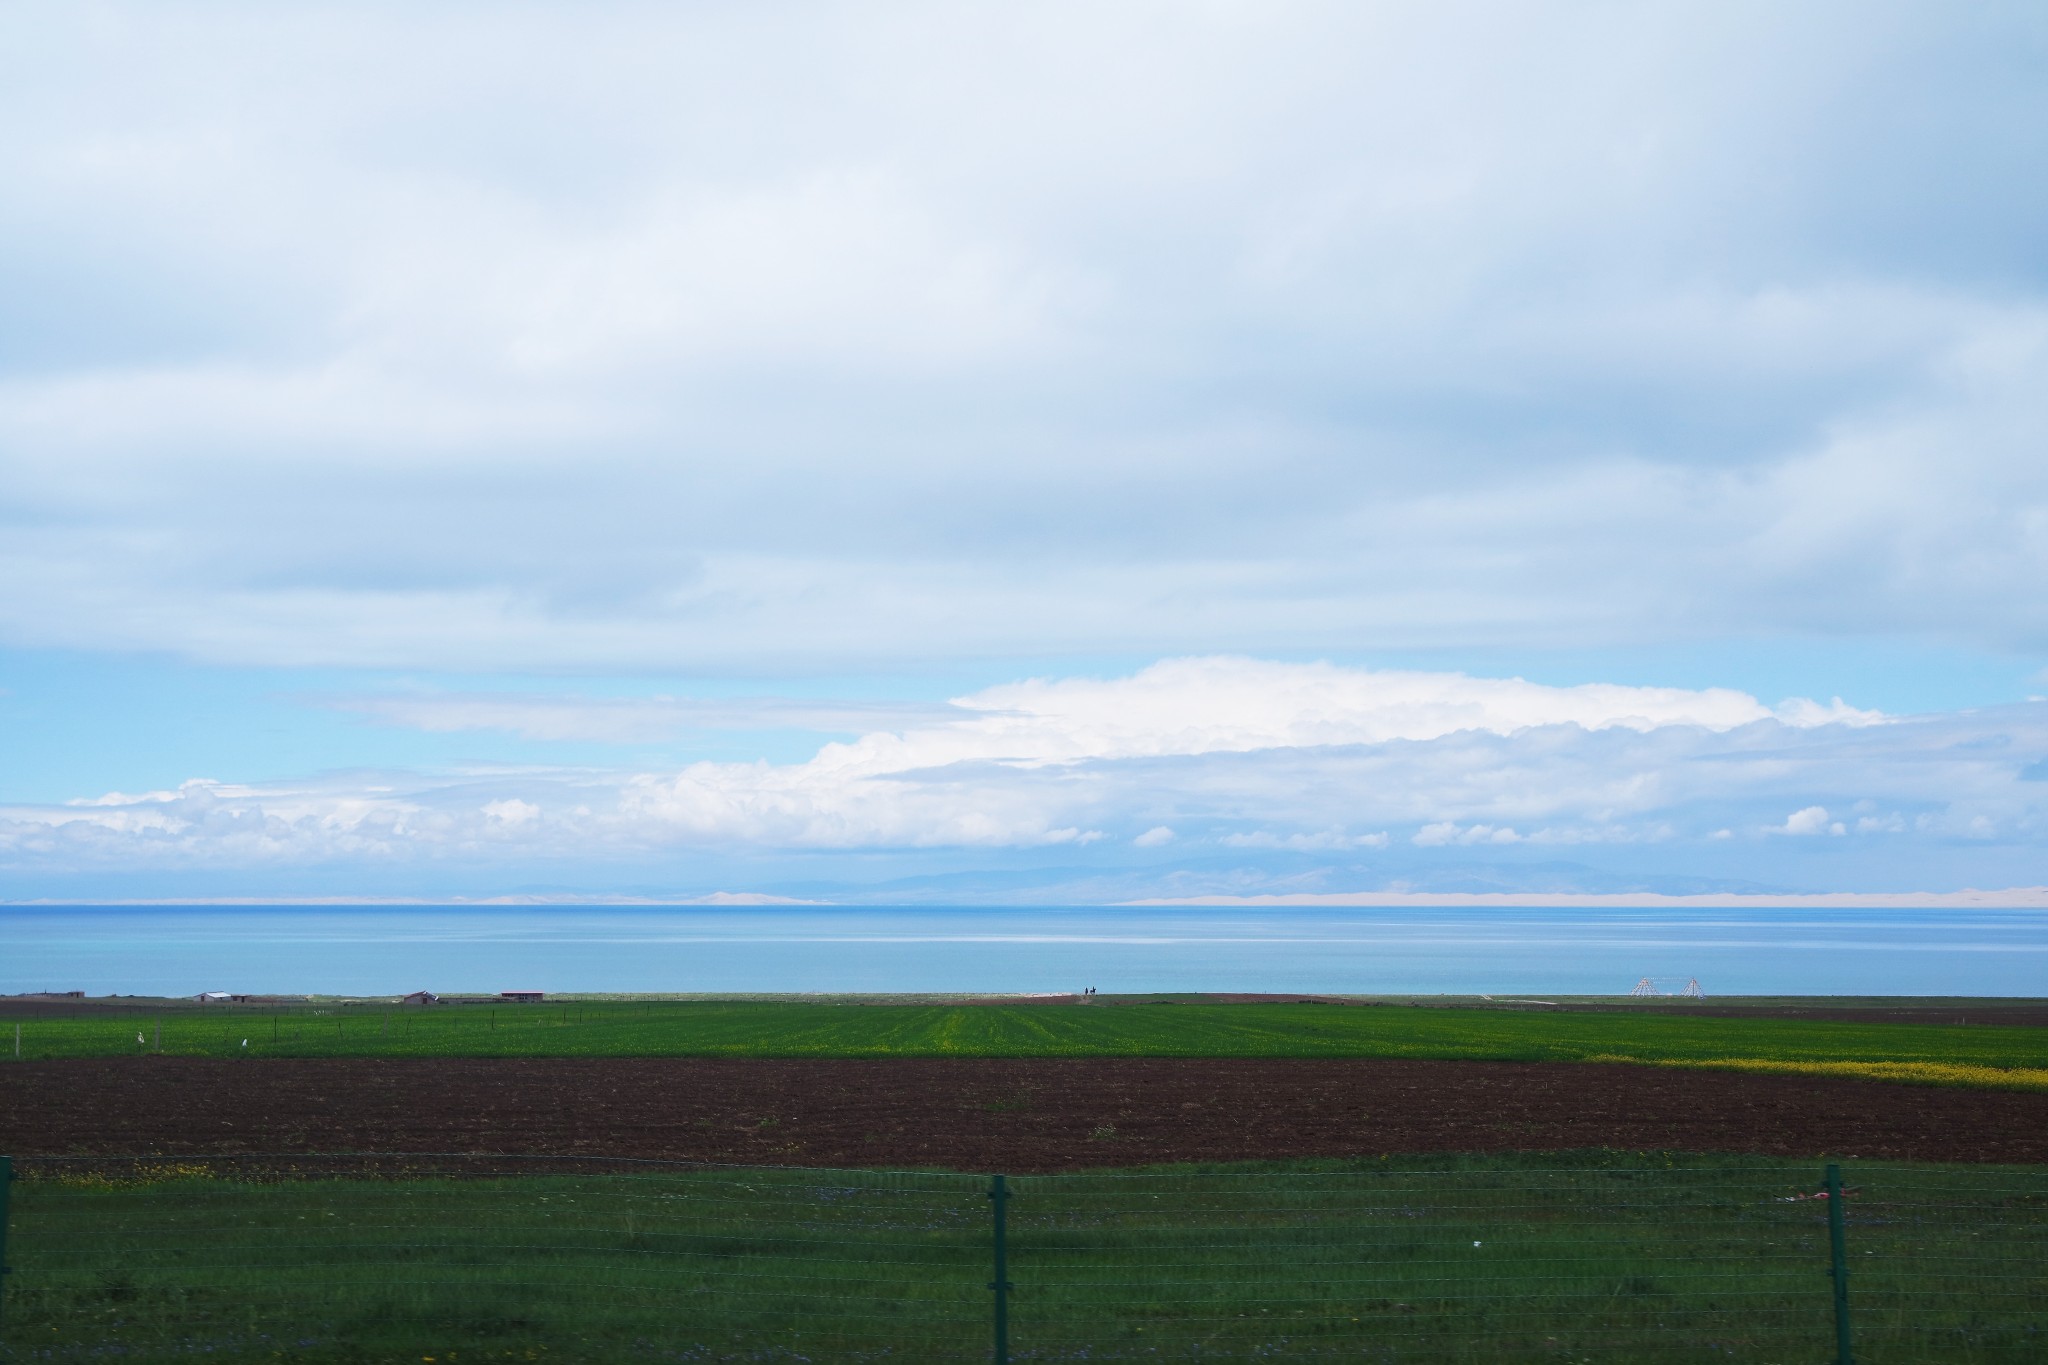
[1584, 1258]
[1960, 1054]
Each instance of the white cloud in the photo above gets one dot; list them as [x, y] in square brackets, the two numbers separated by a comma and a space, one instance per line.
[1233, 753]
[1317, 842]
[511, 812]
[1448, 832]
[1811, 820]
[690, 338]
[911, 787]
[1208, 705]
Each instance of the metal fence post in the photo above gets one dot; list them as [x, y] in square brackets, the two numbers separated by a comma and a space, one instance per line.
[1839, 1266]
[999, 1197]
[6, 1180]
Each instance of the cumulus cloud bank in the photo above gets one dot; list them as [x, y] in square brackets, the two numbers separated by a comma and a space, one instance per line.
[1225, 753]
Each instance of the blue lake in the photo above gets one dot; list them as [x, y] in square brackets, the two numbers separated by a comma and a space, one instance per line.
[178, 950]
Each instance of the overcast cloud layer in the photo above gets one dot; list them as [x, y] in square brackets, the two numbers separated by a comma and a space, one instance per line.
[621, 336]
[768, 339]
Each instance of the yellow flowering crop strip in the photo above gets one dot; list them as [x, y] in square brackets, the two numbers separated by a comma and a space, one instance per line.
[135, 1177]
[1915, 1073]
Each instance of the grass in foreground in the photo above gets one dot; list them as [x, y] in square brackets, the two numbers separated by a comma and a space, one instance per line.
[1591, 1257]
[2014, 1057]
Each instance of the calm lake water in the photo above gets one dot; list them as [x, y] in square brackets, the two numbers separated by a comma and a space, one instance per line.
[387, 949]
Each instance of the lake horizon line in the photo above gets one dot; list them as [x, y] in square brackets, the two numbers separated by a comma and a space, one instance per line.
[2005, 898]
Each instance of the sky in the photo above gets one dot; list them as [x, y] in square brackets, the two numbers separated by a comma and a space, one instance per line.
[1060, 450]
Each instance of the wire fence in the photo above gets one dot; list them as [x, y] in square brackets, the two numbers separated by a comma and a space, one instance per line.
[456, 1258]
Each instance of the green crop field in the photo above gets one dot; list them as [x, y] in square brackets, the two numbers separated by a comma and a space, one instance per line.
[1592, 1257]
[1960, 1054]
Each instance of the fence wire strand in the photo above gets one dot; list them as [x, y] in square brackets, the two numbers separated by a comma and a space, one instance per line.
[233, 1259]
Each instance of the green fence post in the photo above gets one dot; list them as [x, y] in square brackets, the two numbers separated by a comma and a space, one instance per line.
[1839, 1266]
[999, 1196]
[6, 1179]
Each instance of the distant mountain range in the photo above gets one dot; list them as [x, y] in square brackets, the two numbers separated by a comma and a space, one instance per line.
[1265, 877]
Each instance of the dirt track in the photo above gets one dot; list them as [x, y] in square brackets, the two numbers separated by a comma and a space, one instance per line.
[1019, 1115]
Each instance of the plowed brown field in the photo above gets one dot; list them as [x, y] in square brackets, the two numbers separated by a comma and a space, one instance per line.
[1020, 1115]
